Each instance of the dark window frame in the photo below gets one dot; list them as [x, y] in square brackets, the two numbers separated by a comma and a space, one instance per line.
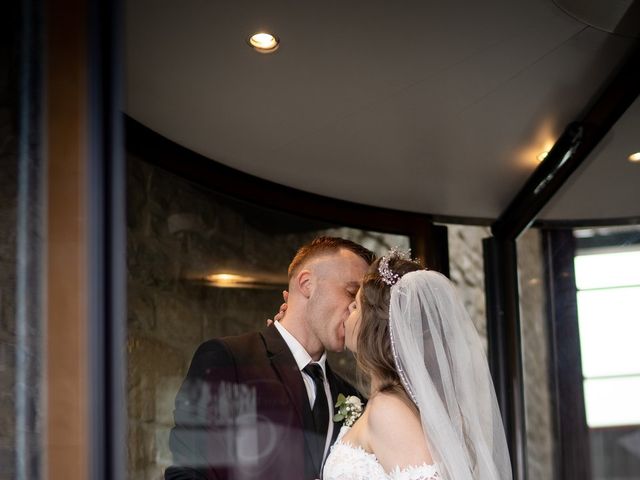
[572, 440]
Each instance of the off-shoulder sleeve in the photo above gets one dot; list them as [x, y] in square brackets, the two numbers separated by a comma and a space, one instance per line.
[418, 472]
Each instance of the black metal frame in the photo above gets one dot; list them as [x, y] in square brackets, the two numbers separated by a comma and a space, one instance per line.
[503, 319]
[107, 241]
[570, 425]
[505, 343]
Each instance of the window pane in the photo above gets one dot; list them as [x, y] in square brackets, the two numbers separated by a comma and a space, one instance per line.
[609, 331]
[201, 265]
[612, 401]
[607, 270]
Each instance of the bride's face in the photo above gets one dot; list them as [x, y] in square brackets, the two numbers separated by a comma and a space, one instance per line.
[352, 324]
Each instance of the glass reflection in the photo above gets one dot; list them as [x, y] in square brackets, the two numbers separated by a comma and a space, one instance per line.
[201, 265]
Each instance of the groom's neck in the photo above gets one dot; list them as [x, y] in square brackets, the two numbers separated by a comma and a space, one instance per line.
[297, 327]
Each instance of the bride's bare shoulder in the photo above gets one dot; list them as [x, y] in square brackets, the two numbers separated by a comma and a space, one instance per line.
[390, 414]
[395, 432]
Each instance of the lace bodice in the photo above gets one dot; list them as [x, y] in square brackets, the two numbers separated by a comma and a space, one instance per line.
[350, 462]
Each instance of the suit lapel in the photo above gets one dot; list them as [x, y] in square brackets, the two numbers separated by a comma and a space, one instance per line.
[287, 369]
[335, 385]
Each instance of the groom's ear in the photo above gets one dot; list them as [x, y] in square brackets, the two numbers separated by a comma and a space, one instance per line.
[304, 281]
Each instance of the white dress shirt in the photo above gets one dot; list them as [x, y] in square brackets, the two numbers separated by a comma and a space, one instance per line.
[302, 359]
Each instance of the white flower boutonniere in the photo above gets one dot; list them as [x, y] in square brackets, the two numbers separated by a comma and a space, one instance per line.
[348, 408]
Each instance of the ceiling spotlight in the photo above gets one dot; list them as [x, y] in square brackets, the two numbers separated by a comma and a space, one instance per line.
[542, 156]
[264, 42]
[635, 157]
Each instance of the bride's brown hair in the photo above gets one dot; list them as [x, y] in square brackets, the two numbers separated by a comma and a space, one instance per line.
[374, 355]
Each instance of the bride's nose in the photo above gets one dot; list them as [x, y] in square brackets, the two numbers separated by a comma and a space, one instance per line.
[352, 306]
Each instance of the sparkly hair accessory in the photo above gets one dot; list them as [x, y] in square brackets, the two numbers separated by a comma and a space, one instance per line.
[388, 276]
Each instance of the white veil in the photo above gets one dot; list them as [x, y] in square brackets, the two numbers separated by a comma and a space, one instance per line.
[443, 367]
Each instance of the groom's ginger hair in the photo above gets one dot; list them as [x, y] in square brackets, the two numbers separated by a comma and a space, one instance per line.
[324, 245]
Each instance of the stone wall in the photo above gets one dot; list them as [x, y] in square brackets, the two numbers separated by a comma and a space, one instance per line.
[535, 345]
[8, 201]
[466, 266]
[467, 272]
[177, 233]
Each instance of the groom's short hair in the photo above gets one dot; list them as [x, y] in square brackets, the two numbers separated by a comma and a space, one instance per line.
[323, 245]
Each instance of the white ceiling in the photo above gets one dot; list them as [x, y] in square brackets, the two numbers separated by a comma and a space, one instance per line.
[432, 107]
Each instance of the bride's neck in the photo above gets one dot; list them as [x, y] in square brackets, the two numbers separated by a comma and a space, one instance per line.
[375, 386]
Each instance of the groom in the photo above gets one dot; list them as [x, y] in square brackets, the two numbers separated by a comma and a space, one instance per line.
[260, 405]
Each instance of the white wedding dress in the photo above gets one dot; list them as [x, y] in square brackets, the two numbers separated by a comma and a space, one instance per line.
[350, 462]
[441, 363]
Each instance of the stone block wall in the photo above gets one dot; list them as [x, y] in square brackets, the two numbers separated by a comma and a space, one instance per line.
[176, 233]
[535, 346]
[466, 266]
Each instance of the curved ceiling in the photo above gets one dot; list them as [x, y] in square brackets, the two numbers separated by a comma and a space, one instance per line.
[432, 107]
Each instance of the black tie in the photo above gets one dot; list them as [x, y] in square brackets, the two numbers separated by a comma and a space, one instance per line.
[320, 408]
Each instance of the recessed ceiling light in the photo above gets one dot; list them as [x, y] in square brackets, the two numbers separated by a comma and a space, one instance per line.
[635, 157]
[542, 156]
[264, 42]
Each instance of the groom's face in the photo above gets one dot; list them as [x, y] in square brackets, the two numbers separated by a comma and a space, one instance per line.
[338, 279]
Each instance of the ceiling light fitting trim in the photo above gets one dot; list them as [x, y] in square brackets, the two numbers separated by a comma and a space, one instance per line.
[264, 42]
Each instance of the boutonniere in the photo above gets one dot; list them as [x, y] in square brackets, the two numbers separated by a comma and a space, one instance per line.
[348, 408]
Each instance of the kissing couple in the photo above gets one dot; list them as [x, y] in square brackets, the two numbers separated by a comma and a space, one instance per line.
[268, 405]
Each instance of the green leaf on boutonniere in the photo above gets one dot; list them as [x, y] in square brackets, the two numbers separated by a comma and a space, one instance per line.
[348, 409]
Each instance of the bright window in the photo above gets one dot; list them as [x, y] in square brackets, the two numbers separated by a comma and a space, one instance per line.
[609, 320]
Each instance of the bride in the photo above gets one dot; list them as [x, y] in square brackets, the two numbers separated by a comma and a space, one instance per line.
[432, 412]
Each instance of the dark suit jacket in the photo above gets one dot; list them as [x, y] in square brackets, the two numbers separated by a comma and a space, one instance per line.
[243, 413]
